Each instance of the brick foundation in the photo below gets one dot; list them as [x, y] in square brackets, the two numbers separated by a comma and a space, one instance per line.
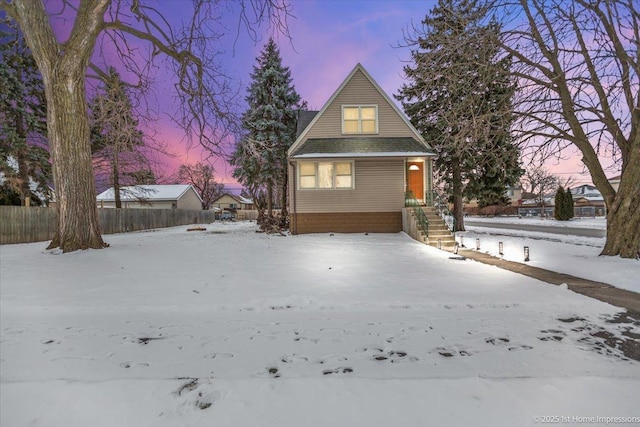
[349, 222]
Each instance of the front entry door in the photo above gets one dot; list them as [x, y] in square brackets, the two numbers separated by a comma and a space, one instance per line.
[415, 180]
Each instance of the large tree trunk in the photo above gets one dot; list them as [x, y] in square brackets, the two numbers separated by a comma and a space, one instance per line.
[458, 205]
[68, 128]
[623, 214]
[116, 182]
[63, 69]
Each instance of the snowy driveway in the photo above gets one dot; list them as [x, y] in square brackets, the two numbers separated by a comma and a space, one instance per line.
[230, 327]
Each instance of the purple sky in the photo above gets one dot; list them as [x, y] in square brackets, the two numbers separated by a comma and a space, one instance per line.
[329, 37]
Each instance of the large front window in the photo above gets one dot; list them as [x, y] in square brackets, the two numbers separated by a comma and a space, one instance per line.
[325, 175]
[360, 119]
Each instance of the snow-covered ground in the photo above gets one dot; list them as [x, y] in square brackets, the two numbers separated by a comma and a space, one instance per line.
[563, 253]
[597, 222]
[229, 327]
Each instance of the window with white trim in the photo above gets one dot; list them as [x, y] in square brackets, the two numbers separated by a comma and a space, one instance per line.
[325, 175]
[360, 119]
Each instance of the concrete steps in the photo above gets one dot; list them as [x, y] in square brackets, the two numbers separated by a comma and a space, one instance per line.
[438, 233]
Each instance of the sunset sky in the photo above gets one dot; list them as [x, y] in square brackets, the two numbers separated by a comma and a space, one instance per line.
[328, 38]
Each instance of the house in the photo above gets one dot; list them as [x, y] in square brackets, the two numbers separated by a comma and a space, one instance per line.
[232, 202]
[178, 196]
[588, 201]
[355, 161]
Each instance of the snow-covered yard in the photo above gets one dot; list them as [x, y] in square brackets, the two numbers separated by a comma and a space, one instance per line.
[564, 253]
[232, 328]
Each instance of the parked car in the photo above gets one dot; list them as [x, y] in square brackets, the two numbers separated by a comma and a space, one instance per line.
[227, 216]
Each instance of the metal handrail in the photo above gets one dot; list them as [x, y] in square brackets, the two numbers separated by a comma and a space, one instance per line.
[421, 217]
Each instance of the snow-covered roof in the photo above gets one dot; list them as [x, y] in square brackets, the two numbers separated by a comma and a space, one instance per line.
[147, 192]
[239, 199]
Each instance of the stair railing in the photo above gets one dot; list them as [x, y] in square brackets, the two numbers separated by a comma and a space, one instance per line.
[440, 203]
[421, 218]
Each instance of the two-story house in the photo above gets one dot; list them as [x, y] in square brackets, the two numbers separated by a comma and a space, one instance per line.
[354, 162]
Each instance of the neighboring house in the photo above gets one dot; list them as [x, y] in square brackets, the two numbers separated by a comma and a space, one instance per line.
[354, 161]
[588, 196]
[178, 196]
[232, 202]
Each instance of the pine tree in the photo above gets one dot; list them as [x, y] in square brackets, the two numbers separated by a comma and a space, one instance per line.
[24, 158]
[567, 204]
[260, 158]
[559, 212]
[116, 141]
[459, 97]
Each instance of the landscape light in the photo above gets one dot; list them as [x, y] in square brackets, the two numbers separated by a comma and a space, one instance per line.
[477, 244]
[439, 243]
[500, 248]
[526, 253]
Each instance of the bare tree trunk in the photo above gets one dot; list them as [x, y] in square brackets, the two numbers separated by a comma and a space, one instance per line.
[68, 129]
[283, 195]
[63, 69]
[270, 200]
[116, 182]
[458, 206]
[623, 214]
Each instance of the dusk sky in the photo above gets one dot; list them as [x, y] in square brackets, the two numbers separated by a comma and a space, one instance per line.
[328, 38]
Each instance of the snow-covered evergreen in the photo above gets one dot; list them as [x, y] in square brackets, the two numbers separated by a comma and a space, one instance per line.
[25, 170]
[269, 125]
[458, 95]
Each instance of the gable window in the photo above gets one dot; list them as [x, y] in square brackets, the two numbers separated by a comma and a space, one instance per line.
[360, 119]
[325, 175]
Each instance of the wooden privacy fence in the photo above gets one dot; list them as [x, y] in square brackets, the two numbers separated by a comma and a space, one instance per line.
[20, 224]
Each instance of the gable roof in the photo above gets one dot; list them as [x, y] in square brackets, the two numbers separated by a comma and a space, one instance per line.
[301, 137]
[304, 118]
[239, 199]
[147, 192]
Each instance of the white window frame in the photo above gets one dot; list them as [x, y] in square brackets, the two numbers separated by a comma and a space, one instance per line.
[333, 179]
[360, 107]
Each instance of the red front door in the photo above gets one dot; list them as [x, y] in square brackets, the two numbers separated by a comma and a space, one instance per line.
[415, 180]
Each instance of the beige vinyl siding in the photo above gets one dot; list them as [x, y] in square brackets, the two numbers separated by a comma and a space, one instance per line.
[190, 200]
[359, 91]
[379, 187]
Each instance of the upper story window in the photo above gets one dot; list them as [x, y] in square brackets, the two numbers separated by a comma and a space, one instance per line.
[357, 119]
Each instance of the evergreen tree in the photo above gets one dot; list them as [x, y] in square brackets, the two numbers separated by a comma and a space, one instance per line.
[24, 158]
[559, 211]
[567, 203]
[459, 97]
[269, 124]
[116, 141]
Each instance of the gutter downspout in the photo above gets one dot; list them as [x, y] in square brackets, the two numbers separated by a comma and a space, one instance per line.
[294, 205]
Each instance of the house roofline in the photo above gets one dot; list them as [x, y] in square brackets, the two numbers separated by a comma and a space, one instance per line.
[375, 84]
[361, 155]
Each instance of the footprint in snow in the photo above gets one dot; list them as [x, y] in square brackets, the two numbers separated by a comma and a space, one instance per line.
[339, 370]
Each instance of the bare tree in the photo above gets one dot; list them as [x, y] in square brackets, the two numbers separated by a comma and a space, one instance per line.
[578, 66]
[540, 182]
[202, 177]
[202, 87]
[116, 140]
